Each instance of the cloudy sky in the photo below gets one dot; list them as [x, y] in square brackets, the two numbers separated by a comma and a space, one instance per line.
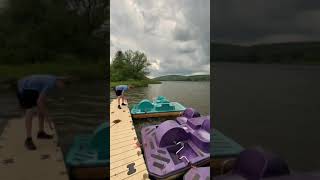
[175, 35]
[265, 21]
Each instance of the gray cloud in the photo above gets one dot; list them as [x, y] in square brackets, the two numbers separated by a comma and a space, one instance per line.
[175, 35]
[182, 34]
[265, 21]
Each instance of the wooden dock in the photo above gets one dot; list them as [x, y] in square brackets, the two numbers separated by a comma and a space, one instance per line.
[126, 159]
[16, 162]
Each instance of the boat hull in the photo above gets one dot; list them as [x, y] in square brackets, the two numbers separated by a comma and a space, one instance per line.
[89, 172]
[155, 115]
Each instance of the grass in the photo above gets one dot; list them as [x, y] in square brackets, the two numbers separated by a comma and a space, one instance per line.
[83, 70]
[135, 83]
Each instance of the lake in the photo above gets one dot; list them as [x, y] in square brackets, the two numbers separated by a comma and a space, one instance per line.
[276, 107]
[189, 94]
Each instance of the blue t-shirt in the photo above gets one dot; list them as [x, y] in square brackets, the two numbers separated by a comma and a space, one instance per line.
[39, 83]
[122, 88]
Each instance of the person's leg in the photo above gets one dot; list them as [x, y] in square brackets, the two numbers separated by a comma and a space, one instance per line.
[41, 122]
[118, 94]
[41, 133]
[28, 118]
[119, 97]
[26, 102]
[123, 99]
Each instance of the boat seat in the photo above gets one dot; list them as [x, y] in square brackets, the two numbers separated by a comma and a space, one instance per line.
[164, 107]
[199, 134]
[206, 125]
[187, 114]
[162, 99]
[145, 105]
[169, 132]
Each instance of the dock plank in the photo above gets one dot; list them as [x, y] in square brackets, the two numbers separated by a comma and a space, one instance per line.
[123, 146]
[18, 163]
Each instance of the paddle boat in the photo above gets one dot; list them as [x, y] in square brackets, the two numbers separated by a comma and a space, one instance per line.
[199, 173]
[223, 150]
[160, 107]
[223, 146]
[88, 157]
[257, 164]
[174, 146]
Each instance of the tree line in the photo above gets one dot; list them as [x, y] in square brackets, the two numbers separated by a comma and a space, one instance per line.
[129, 65]
[33, 31]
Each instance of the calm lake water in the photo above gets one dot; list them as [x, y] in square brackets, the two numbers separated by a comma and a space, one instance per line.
[189, 94]
[276, 107]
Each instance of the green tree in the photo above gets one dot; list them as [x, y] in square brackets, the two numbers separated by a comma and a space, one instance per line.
[34, 31]
[129, 65]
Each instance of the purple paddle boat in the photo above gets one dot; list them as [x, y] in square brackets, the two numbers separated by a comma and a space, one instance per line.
[174, 146]
[256, 164]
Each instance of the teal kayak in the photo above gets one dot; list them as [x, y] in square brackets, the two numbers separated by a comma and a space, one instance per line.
[160, 107]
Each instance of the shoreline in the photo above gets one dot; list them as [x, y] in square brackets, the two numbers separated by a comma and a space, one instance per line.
[76, 70]
[135, 83]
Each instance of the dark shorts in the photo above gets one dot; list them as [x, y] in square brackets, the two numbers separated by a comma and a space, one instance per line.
[28, 98]
[118, 92]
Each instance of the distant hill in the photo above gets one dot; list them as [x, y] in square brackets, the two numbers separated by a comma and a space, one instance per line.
[293, 52]
[183, 78]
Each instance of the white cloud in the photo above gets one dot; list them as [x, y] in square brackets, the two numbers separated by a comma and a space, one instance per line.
[175, 35]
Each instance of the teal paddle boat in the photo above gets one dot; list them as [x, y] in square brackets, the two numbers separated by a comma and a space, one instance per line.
[88, 157]
[224, 146]
[160, 107]
[223, 150]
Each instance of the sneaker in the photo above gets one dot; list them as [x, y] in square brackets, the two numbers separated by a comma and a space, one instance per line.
[123, 104]
[119, 107]
[29, 144]
[43, 135]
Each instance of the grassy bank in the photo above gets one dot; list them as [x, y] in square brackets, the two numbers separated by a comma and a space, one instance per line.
[136, 83]
[83, 70]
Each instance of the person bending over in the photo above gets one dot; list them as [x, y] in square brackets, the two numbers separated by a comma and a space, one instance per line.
[120, 94]
[32, 94]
